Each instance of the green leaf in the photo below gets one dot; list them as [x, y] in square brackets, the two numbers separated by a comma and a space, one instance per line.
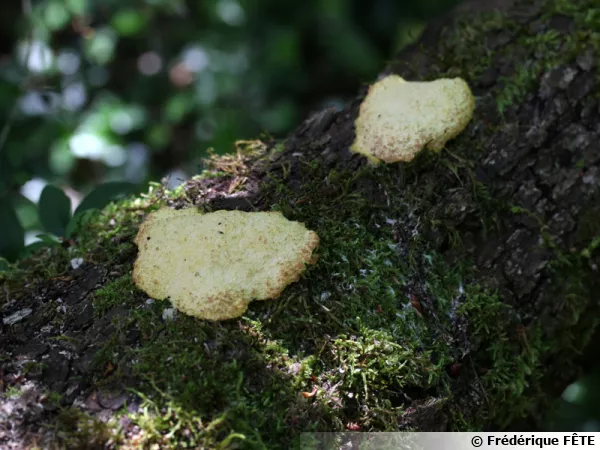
[100, 47]
[77, 221]
[55, 210]
[104, 194]
[12, 237]
[56, 16]
[177, 107]
[48, 239]
[77, 7]
[30, 249]
[98, 199]
[45, 241]
[128, 22]
[27, 212]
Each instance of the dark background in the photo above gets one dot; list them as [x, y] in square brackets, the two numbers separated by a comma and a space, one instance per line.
[137, 90]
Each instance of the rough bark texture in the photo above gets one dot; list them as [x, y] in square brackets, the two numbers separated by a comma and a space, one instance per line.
[523, 199]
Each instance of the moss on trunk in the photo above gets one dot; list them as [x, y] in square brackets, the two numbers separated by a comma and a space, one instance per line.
[452, 293]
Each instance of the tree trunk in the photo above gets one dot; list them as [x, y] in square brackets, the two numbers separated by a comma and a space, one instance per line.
[455, 292]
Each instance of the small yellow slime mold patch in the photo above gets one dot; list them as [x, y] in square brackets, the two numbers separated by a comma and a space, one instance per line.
[398, 118]
[213, 265]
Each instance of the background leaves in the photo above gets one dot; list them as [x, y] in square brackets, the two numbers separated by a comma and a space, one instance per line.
[107, 91]
[12, 234]
[104, 194]
[54, 210]
[54, 213]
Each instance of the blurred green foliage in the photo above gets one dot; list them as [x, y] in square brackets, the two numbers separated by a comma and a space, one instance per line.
[94, 91]
[578, 408]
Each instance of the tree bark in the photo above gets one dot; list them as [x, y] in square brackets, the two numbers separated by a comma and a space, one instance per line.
[517, 193]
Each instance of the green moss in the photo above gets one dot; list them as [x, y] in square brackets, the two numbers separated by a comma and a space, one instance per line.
[33, 368]
[53, 398]
[115, 293]
[75, 429]
[248, 376]
[47, 263]
[12, 392]
[509, 363]
[462, 52]
[368, 329]
[588, 235]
